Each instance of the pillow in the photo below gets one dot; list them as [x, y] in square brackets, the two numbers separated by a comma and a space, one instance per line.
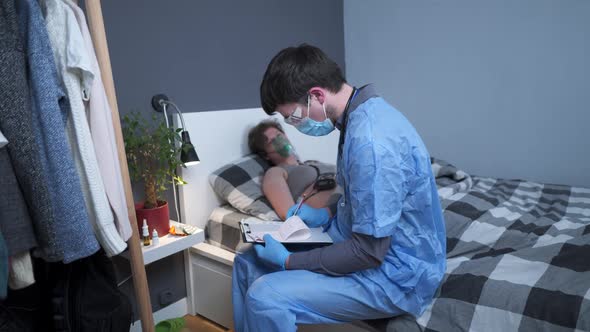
[239, 184]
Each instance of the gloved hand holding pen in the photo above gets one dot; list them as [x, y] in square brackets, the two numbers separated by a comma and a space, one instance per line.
[272, 252]
[311, 216]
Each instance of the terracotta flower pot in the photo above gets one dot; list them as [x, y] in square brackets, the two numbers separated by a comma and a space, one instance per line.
[158, 218]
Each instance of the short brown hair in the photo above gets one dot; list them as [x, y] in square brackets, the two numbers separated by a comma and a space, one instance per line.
[295, 70]
[257, 139]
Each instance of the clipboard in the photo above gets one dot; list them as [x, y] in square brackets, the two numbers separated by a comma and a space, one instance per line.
[251, 226]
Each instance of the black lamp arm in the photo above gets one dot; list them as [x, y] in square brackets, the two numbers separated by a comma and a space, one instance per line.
[159, 103]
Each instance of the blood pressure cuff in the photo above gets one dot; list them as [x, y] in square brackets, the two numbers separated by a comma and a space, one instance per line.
[325, 181]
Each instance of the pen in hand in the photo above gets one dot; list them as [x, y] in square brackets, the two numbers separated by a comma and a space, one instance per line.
[298, 206]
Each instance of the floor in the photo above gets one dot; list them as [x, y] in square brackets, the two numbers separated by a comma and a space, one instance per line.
[200, 324]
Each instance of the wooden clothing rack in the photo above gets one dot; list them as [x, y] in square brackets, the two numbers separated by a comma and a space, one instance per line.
[97, 30]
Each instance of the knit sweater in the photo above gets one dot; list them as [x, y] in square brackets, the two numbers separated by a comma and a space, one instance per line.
[75, 72]
[14, 215]
[15, 222]
[15, 219]
[21, 174]
[3, 268]
[71, 234]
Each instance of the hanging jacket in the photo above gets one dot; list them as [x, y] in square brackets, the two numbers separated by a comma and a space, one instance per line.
[103, 134]
[75, 73]
[20, 172]
[70, 235]
[16, 225]
[3, 268]
[15, 222]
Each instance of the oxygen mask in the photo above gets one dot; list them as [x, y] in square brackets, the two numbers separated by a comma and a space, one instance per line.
[282, 146]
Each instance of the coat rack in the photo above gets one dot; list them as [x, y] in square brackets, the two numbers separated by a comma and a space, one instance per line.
[97, 30]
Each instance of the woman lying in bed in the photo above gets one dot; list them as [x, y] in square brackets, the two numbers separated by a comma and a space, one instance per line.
[289, 180]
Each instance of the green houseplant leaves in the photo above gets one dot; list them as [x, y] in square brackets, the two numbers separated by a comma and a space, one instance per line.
[153, 155]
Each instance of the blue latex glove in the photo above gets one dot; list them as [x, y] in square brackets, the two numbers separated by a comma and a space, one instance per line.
[272, 252]
[311, 216]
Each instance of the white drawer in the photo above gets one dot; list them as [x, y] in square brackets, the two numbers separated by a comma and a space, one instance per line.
[211, 290]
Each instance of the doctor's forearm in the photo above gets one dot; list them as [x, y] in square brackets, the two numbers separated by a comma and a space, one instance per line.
[359, 253]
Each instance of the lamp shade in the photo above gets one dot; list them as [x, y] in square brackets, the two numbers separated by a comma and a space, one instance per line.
[188, 155]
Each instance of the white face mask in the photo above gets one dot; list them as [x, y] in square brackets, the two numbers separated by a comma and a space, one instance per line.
[309, 126]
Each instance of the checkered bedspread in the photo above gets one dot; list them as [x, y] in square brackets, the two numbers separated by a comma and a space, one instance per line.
[518, 256]
[222, 229]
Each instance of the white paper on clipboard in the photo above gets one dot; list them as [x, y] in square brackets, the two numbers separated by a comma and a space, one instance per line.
[292, 230]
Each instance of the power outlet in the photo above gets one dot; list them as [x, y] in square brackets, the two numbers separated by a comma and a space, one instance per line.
[166, 297]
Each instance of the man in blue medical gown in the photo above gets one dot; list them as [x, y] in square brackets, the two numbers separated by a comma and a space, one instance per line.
[388, 256]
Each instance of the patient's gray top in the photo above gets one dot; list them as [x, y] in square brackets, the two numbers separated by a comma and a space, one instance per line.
[303, 175]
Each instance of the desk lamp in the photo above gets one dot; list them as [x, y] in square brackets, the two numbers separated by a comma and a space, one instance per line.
[188, 155]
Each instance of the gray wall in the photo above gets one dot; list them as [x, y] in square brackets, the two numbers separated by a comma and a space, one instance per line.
[205, 55]
[499, 88]
[209, 55]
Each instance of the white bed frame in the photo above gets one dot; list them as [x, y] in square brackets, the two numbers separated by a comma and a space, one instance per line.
[220, 137]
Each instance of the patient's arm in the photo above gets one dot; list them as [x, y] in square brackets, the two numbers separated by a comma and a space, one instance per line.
[276, 190]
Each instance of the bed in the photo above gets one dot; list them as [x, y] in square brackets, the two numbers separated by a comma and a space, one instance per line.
[518, 257]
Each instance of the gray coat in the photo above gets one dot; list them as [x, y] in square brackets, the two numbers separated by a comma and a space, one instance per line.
[19, 162]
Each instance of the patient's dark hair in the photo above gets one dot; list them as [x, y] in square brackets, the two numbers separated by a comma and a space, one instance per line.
[257, 139]
[295, 70]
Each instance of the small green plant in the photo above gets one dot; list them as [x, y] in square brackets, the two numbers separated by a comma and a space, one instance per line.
[153, 155]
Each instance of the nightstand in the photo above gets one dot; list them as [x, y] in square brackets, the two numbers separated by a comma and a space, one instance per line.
[169, 244]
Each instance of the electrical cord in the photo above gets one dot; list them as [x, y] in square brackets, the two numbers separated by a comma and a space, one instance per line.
[174, 187]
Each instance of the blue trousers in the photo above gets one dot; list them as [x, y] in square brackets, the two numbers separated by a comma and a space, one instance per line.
[268, 300]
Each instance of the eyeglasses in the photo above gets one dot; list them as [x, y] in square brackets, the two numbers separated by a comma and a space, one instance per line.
[297, 116]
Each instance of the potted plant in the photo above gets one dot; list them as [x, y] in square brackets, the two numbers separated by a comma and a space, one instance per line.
[153, 155]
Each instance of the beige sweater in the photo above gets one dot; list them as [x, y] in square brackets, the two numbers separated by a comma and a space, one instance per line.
[103, 134]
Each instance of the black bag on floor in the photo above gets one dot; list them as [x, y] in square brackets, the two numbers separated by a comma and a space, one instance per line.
[86, 298]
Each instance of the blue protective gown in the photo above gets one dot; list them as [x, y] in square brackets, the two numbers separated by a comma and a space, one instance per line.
[389, 190]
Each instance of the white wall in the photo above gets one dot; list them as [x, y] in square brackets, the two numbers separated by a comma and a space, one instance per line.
[499, 88]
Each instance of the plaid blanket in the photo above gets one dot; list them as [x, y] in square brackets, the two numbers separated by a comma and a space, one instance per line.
[518, 256]
[222, 228]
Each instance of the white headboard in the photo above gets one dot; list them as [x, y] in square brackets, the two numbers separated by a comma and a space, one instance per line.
[220, 137]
